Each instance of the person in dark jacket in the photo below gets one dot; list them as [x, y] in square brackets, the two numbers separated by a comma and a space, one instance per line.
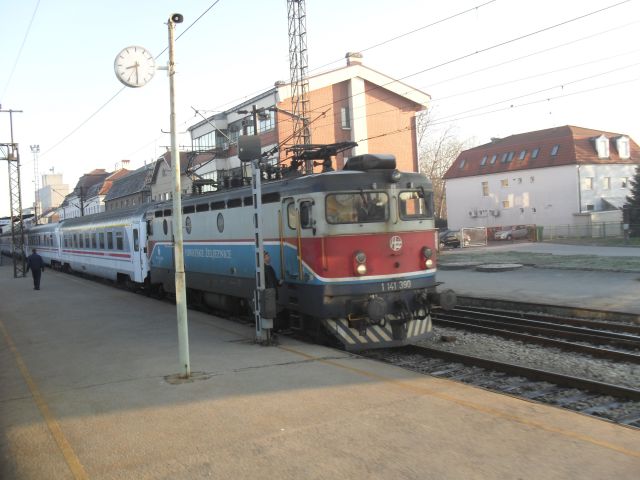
[36, 265]
[270, 277]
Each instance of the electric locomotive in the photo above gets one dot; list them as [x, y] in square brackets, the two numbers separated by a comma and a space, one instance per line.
[355, 250]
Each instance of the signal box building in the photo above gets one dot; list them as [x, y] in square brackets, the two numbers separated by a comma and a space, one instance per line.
[559, 176]
[353, 103]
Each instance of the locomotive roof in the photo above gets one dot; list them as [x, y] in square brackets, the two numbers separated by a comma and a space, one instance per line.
[320, 182]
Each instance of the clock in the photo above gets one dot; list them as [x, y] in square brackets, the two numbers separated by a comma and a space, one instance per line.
[134, 66]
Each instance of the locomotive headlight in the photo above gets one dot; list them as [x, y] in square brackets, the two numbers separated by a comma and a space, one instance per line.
[427, 252]
[395, 176]
[361, 267]
[428, 263]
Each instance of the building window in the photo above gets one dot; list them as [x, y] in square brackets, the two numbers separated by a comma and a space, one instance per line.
[602, 146]
[622, 145]
[462, 162]
[534, 153]
[493, 158]
[607, 183]
[554, 150]
[484, 160]
[504, 157]
[523, 154]
[505, 204]
[485, 189]
[504, 183]
[510, 156]
[345, 121]
[266, 121]
[588, 183]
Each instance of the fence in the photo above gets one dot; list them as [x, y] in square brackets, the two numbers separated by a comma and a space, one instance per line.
[593, 230]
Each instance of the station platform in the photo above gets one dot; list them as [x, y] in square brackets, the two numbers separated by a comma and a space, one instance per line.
[86, 392]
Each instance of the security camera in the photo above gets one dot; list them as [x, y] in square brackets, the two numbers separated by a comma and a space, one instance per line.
[177, 18]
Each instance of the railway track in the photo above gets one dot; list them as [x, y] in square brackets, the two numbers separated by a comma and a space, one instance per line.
[602, 339]
[612, 402]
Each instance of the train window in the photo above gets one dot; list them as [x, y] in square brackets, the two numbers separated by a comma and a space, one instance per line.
[220, 222]
[167, 212]
[357, 207]
[149, 227]
[306, 220]
[101, 236]
[218, 205]
[234, 202]
[271, 197]
[202, 207]
[187, 225]
[292, 218]
[109, 240]
[94, 240]
[136, 240]
[158, 213]
[248, 201]
[188, 209]
[75, 241]
[413, 205]
[119, 241]
[165, 226]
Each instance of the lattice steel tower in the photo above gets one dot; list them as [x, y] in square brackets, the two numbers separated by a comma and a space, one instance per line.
[298, 66]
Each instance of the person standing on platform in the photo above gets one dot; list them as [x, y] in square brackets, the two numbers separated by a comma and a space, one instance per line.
[36, 265]
[270, 277]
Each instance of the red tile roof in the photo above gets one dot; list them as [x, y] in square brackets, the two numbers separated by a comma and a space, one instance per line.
[575, 146]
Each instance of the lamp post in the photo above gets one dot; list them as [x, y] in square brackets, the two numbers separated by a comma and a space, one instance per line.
[178, 252]
[135, 67]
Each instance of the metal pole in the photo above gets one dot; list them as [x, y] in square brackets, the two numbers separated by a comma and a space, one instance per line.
[35, 149]
[181, 295]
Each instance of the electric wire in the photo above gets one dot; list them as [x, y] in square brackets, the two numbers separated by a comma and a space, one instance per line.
[24, 41]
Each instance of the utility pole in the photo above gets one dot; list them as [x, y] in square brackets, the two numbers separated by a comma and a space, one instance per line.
[10, 152]
[35, 149]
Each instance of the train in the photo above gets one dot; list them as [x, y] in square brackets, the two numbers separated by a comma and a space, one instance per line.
[355, 251]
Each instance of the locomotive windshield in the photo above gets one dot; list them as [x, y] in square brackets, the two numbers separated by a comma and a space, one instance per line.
[415, 205]
[357, 207]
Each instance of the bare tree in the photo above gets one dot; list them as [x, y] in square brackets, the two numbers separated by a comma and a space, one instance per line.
[438, 148]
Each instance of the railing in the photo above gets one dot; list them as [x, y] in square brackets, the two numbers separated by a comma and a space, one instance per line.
[593, 230]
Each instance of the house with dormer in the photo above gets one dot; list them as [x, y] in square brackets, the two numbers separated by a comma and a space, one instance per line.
[559, 176]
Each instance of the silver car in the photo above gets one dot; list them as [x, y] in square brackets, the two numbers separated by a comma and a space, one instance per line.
[513, 233]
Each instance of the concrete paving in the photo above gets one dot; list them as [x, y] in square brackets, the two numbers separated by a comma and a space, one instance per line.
[83, 395]
[604, 290]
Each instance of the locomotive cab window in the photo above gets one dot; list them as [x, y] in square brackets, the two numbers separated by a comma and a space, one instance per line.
[357, 207]
[415, 205]
[306, 219]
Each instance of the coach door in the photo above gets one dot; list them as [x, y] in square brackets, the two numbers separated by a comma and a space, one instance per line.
[137, 256]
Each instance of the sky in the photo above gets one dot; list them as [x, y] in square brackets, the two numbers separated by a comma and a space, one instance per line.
[492, 68]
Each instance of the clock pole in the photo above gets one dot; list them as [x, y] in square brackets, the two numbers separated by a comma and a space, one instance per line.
[178, 252]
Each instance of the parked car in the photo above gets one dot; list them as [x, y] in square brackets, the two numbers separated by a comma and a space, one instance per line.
[451, 238]
[512, 233]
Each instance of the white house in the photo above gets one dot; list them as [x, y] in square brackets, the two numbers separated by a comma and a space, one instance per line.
[560, 176]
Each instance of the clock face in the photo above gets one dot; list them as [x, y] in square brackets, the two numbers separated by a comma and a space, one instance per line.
[134, 66]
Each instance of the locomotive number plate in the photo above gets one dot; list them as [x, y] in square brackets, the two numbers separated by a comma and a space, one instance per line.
[394, 286]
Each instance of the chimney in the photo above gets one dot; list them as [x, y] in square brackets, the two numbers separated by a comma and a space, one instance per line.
[353, 58]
